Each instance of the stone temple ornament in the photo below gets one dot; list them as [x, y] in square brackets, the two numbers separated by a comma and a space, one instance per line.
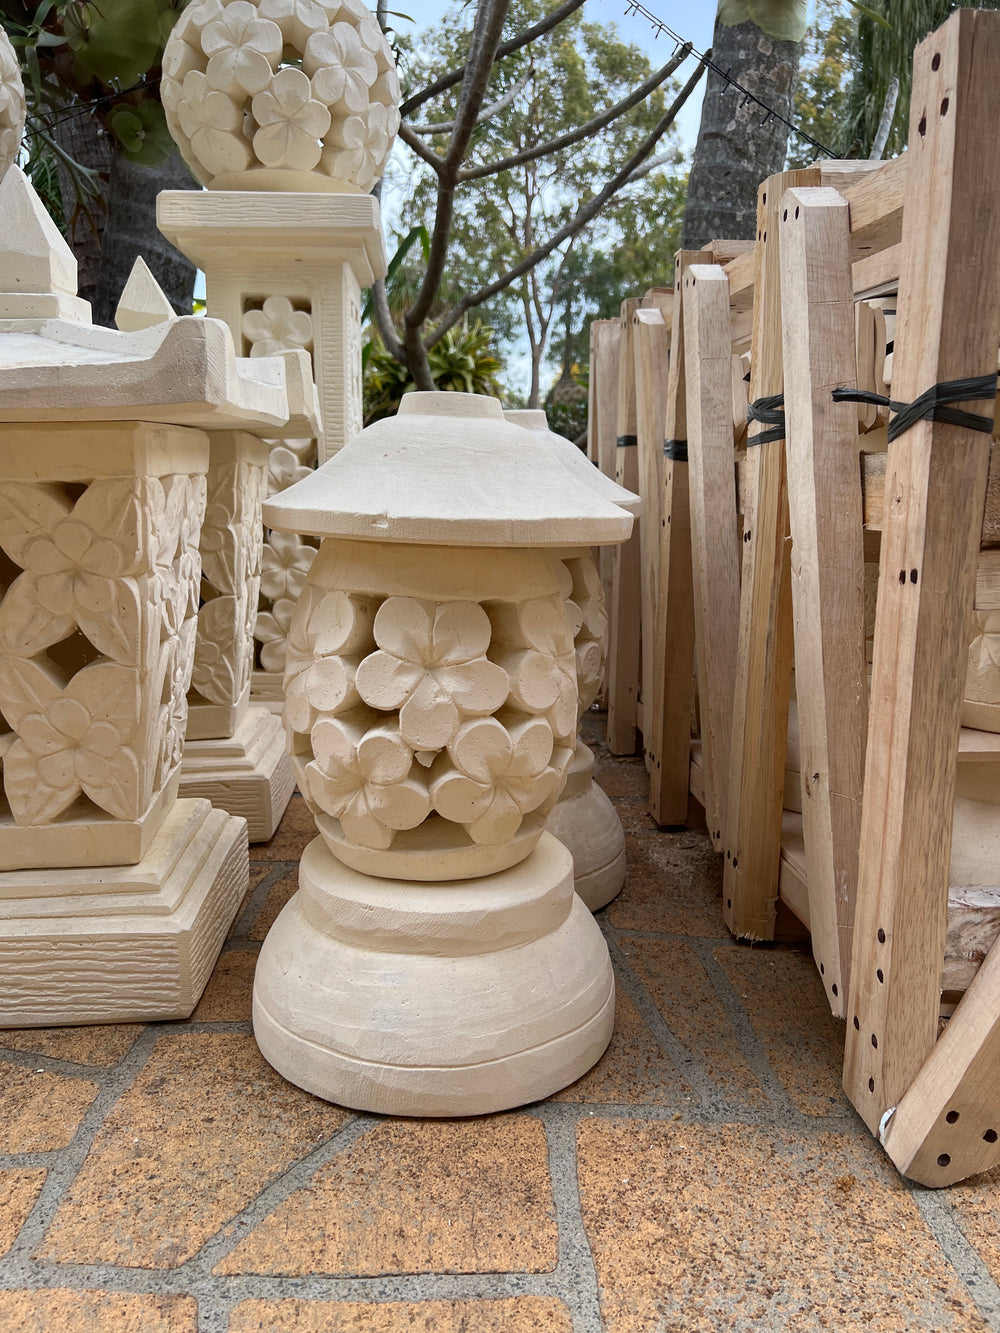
[12, 106]
[287, 110]
[115, 896]
[435, 960]
[584, 820]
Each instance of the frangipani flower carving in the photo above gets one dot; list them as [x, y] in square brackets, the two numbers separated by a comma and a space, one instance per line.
[291, 121]
[244, 49]
[221, 662]
[277, 327]
[285, 562]
[357, 147]
[213, 123]
[71, 740]
[284, 470]
[271, 631]
[12, 105]
[328, 633]
[342, 69]
[431, 664]
[80, 561]
[500, 774]
[360, 775]
[543, 676]
[297, 19]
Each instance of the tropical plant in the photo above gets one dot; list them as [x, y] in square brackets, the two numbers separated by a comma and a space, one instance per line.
[461, 361]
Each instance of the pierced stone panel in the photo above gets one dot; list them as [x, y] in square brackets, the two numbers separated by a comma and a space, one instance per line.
[97, 636]
[589, 623]
[438, 728]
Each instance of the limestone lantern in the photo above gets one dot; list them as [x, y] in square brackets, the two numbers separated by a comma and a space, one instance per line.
[435, 960]
[115, 897]
[583, 818]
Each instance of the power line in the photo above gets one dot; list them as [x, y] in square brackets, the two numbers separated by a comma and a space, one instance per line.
[76, 109]
[662, 29]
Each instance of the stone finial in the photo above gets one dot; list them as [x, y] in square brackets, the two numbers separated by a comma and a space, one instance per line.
[34, 256]
[143, 302]
[281, 94]
[12, 108]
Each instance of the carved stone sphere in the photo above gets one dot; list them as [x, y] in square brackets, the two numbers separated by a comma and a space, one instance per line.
[11, 105]
[281, 94]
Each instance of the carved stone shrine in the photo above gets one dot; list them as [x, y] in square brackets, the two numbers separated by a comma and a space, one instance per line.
[287, 112]
[435, 959]
[115, 897]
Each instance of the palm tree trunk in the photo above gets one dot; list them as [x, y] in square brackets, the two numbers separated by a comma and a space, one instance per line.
[738, 145]
[130, 230]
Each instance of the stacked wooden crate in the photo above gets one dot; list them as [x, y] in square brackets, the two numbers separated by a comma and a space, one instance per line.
[770, 574]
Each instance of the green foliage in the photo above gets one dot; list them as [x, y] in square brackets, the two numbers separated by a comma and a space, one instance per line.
[784, 20]
[117, 42]
[884, 50]
[820, 103]
[462, 361]
[558, 84]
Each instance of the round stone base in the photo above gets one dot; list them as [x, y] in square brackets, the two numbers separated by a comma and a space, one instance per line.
[447, 999]
[585, 822]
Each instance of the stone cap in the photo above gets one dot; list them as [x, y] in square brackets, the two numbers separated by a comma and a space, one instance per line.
[534, 419]
[447, 470]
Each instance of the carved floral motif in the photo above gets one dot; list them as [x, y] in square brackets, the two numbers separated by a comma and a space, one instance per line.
[284, 566]
[589, 626]
[294, 85]
[983, 679]
[277, 327]
[112, 574]
[374, 684]
[12, 108]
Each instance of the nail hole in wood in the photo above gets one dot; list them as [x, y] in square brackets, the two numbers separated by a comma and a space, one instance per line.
[784, 215]
[835, 988]
[902, 576]
[796, 212]
[881, 935]
[765, 236]
[913, 576]
[735, 863]
[881, 976]
[874, 1042]
[857, 1023]
[764, 197]
[990, 1136]
[944, 1159]
[936, 62]
[729, 902]
[822, 969]
[944, 106]
[951, 1117]
[871, 1085]
[922, 127]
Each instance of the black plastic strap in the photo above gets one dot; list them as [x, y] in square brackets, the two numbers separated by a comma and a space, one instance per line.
[932, 405]
[676, 450]
[627, 441]
[768, 411]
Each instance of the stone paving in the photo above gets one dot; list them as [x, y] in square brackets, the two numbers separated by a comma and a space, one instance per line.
[708, 1174]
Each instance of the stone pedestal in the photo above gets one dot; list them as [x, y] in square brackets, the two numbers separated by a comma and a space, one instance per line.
[435, 960]
[234, 753]
[115, 897]
[586, 822]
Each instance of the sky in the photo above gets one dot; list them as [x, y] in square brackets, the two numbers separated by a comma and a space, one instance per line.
[692, 20]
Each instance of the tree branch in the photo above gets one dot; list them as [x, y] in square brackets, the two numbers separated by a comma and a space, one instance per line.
[413, 140]
[490, 16]
[385, 323]
[447, 127]
[583, 131]
[508, 48]
[584, 215]
[661, 159]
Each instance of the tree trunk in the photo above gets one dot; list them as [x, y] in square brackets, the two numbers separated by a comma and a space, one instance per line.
[736, 147]
[131, 230]
[87, 142]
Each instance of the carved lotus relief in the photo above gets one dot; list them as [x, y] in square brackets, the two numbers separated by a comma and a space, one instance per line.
[96, 640]
[287, 85]
[404, 711]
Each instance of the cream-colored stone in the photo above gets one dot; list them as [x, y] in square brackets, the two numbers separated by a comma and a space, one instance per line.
[248, 773]
[586, 822]
[123, 944]
[534, 419]
[143, 302]
[12, 106]
[269, 95]
[436, 960]
[35, 257]
[417, 999]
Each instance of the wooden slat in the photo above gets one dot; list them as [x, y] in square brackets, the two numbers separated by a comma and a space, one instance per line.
[824, 498]
[602, 424]
[668, 737]
[947, 327]
[714, 541]
[756, 781]
[876, 204]
[723, 252]
[625, 605]
[651, 348]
